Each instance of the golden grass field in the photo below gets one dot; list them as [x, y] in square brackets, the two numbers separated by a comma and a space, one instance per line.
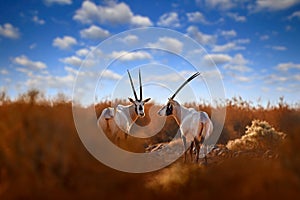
[42, 157]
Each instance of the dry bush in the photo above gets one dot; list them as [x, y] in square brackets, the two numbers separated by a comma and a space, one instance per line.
[259, 136]
[240, 113]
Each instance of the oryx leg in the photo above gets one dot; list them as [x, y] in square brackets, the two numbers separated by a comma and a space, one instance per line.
[184, 146]
[197, 146]
[205, 152]
[114, 131]
[192, 150]
[198, 141]
[204, 149]
[207, 132]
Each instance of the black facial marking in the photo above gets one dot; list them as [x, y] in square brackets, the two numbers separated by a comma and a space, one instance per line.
[169, 109]
[135, 109]
[138, 107]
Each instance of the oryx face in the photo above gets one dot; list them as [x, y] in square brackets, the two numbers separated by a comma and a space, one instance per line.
[139, 106]
[167, 109]
[173, 107]
[138, 102]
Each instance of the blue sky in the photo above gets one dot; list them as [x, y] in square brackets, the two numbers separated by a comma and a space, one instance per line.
[254, 44]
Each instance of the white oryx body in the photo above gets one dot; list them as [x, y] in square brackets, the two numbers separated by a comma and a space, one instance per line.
[123, 117]
[196, 124]
[192, 122]
[119, 118]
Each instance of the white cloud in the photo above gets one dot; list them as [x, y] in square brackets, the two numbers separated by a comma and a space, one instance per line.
[130, 56]
[239, 68]
[25, 71]
[196, 17]
[60, 2]
[108, 74]
[279, 48]
[170, 77]
[32, 46]
[129, 39]
[113, 13]
[3, 72]
[94, 33]
[274, 5]
[61, 83]
[204, 39]
[140, 21]
[24, 61]
[239, 78]
[236, 17]
[72, 60]
[242, 41]
[230, 33]
[87, 13]
[294, 15]
[218, 58]
[36, 20]
[230, 46]
[71, 70]
[64, 43]
[242, 78]
[92, 52]
[239, 59]
[274, 78]
[283, 89]
[287, 66]
[264, 37]
[265, 89]
[82, 52]
[227, 47]
[9, 31]
[297, 77]
[237, 63]
[221, 4]
[168, 43]
[169, 20]
[288, 27]
[47, 82]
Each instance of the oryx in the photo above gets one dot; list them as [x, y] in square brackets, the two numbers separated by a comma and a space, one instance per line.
[122, 117]
[191, 122]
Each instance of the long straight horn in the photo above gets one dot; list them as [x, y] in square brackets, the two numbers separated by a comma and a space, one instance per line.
[132, 86]
[185, 82]
[141, 88]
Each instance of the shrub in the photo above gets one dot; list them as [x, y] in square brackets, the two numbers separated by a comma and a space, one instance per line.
[260, 135]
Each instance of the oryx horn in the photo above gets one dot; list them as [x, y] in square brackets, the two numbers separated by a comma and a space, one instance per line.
[186, 82]
[132, 86]
[141, 88]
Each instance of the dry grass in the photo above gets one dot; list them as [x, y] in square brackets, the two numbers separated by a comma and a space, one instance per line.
[42, 157]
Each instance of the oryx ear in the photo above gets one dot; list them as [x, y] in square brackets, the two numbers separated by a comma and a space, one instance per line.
[131, 100]
[146, 100]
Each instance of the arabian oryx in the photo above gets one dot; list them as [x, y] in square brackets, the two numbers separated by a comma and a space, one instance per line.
[122, 117]
[191, 122]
